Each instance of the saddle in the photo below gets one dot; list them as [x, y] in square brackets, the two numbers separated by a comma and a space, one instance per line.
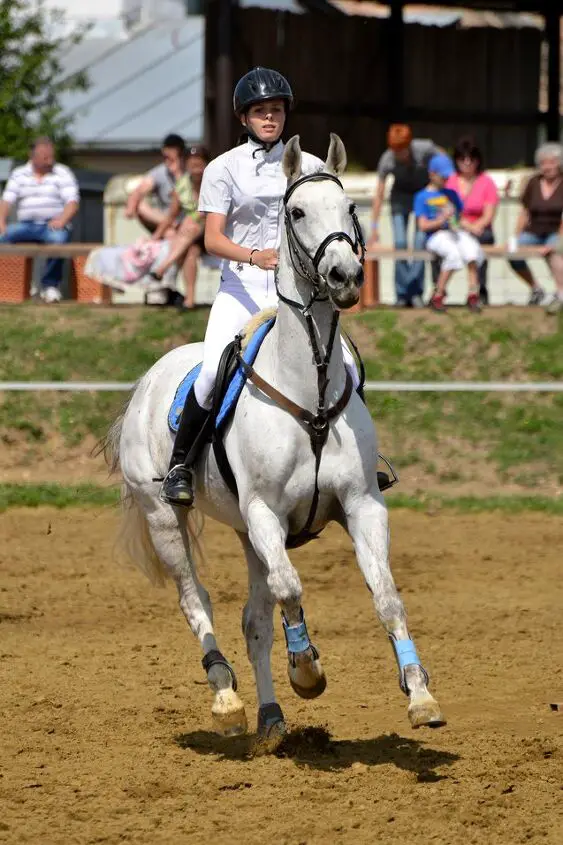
[232, 374]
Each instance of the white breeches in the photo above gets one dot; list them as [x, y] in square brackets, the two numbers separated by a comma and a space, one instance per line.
[456, 249]
[230, 312]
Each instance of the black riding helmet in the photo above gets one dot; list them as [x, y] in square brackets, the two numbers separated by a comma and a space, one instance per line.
[258, 85]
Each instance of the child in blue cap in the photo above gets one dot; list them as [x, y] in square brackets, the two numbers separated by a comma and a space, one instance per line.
[437, 210]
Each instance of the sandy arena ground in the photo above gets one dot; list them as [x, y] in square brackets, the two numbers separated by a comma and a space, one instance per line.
[106, 714]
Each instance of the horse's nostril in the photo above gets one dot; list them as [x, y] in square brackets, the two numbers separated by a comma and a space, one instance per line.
[360, 276]
[336, 276]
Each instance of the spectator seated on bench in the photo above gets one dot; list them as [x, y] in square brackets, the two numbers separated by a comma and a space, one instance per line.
[480, 200]
[157, 186]
[438, 211]
[540, 223]
[47, 197]
[184, 224]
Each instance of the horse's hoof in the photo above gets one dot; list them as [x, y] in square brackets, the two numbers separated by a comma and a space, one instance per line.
[270, 720]
[426, 714]
[309, 692]
[308, 679]
[264, 745]
[229, 717]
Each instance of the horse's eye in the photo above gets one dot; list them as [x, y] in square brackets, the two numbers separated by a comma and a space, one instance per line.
[297, 213]
[352, 209]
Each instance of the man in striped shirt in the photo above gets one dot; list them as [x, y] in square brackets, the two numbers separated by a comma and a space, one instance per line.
[47, 197]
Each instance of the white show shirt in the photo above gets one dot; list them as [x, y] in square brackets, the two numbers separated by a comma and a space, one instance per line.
[40, 199]
[247, 185]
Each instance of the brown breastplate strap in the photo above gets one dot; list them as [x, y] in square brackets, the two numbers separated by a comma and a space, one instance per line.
[318, 429]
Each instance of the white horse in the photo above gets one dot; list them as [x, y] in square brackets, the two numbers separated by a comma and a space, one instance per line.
[270, 454]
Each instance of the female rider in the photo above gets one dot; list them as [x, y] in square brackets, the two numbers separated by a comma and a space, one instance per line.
[241, 195]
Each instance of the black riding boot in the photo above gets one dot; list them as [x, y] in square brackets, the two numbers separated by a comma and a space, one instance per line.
[178, 486]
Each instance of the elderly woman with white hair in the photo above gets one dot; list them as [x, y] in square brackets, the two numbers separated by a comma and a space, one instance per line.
[540, 223]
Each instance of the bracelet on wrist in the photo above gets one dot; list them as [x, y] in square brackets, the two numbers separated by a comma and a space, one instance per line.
[250, 261]
[375, 225]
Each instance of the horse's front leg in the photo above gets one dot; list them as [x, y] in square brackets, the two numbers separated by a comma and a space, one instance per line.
[268, 534]
[258, 629]
[170, 538]
[368, 527]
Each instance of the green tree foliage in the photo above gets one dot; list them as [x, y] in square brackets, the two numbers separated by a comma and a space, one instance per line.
[31, 77]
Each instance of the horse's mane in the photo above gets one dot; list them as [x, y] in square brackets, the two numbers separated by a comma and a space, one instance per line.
[255, 322]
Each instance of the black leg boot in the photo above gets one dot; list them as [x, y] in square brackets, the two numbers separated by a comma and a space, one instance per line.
[178, 486]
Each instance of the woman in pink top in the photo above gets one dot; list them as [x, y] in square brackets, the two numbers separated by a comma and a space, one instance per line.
[479, 196]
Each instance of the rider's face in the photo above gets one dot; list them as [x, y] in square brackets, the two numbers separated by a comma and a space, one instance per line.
[266, 120]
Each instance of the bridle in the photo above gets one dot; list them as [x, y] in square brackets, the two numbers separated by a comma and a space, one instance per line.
[318, 425]
[298, 250]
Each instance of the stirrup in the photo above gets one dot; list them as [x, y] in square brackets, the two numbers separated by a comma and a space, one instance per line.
[185, 474]
[383, 478]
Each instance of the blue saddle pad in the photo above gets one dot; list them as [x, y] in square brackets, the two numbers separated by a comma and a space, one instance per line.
[234, 389]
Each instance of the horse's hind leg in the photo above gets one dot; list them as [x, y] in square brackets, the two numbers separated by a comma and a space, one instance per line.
[171, 542]
[368, 527]
[268, 536]
[258, 628]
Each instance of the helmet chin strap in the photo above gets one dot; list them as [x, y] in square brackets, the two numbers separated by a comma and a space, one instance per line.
[262, 145]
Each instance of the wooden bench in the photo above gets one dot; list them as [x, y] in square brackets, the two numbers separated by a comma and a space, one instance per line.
[16, 269]
[369, 296]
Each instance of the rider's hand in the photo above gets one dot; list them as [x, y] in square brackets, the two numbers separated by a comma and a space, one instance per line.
[266, 259]
[57, 223]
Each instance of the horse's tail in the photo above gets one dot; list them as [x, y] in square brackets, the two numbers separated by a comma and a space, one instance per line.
[134, 539]
[109, 444]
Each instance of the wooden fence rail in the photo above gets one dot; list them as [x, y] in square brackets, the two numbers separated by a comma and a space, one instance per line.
[369, 296]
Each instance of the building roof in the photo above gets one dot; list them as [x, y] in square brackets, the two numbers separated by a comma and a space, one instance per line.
[446, 14]
[141, 87]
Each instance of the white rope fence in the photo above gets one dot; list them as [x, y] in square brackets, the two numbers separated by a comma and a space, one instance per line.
[370, 386]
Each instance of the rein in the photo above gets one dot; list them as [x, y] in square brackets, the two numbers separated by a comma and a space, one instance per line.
[317, 425]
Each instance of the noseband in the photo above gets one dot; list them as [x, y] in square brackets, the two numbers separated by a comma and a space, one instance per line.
[297, 249]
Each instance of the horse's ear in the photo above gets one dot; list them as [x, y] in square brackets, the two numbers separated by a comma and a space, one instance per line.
[292, 159]
[336, 159]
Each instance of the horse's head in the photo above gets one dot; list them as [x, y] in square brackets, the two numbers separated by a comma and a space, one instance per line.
[323, 233]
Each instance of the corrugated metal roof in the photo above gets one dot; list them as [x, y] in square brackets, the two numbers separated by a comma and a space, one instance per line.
[141, 88]
[433, 15]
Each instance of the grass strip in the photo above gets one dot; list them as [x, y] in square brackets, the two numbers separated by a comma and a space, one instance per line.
[92, 495]
[56, 496]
